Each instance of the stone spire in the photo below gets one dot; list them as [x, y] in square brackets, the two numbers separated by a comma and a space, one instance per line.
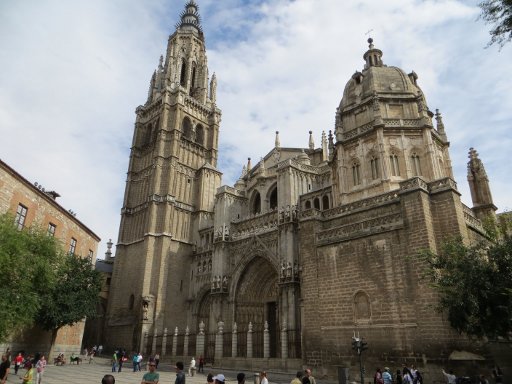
[213, 88]
[190, 18]
[325, 153]
[483, 205]
[249, 166]
[311, 141]
[277, 142]
[108, 253]
[440, 125]
[372, 56]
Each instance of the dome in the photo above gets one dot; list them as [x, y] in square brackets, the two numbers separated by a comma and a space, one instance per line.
[377, 78]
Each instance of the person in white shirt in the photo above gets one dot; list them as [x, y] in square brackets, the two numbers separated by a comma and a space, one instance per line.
[263, 377]
[192, 367]
[450, 377]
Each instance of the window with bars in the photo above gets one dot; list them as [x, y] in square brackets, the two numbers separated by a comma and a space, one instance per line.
[21, 215]
[51, 229]
[91, 253]
[72, 246]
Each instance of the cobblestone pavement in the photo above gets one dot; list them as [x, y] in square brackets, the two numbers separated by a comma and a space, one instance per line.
[93, 373]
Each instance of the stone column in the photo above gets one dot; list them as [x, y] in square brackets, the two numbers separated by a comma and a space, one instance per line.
[234, 342]
[164, 343]
[219, 341]
[153, 346]
[185, 343]
[249, 342]
[175, 342]
[266, 342]
[284, 341]
[200, 340]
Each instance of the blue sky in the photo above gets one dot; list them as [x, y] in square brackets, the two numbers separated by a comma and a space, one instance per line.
[74, 72]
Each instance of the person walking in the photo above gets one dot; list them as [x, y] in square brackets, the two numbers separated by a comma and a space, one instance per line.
[114, 361]
[240, 378]
[17, 362]
[180, 376]
[151, 377]
[40, 367]
[29, 375]
[263, 377]
[297, 379]
[108, 379]
[309, 375]
[201, 364]
[386, 376]
[157, 359]
[192, 367]
[4, 369]
[219, 379]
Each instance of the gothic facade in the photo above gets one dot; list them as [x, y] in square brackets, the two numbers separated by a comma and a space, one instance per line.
[309, 246]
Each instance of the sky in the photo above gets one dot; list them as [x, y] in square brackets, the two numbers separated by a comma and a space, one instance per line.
[73, 73]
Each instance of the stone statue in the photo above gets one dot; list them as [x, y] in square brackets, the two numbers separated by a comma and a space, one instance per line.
[225, 283]
[289, 269]
[201, 327]
[145, 309]
[250, 327]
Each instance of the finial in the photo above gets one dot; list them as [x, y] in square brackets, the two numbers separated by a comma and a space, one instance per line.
[311, 141]
[161, 63]
[277, 142]
[249, 166]
[370, 42]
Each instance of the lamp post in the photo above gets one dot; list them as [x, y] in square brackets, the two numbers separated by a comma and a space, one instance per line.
[359, 345]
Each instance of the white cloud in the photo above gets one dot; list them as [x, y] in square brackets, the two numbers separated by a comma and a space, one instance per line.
[74, 72]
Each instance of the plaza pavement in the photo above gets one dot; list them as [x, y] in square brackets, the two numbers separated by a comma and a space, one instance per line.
[86, 373]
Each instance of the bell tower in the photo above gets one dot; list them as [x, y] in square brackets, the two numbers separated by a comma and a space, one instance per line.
[170, 189]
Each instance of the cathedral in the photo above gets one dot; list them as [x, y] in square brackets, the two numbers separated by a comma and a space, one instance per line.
[308, 248]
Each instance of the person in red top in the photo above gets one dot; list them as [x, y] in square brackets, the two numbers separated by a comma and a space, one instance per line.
[17, 363]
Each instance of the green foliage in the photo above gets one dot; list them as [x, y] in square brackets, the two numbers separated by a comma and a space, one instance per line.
[73, 297]
[498, 13]
[474, 285]
[28, 259]
[40, 283]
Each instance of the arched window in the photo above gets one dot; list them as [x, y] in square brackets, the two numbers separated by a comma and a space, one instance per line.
[316, 203]
[186, 128]
[356, 173]
[131, 302]
[374, 165]
[200, 134]
[395, 168]
[193, 80]
[416, 168]
[256, 203]
[325, 202]
[273, 198]
[362, 307]
[147, 134]
[183, 77]
[308, 204]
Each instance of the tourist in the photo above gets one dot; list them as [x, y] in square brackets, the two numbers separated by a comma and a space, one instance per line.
[135, 358]
[151, 377]
[482, 380]
[4, 369]
[91, 356]
[263, 377]
[377, 377]
[29, 375]
[201, 364]
[399, 379]
[192, 367]
[297, 379]
[40, 367]
[407, 376]
[17, 362]
[219, 379]
[386, 376]
[309, 375]
[450, 377]
[100, 349]
[114, 361]
[180, 376]
[139, 361]
[240, 378]
[8, 354]
[157, 359]
[209, 378]
[108, 379]
[121, 360]
[497, 375]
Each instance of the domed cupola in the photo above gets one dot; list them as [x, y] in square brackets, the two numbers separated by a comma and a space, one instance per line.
[372, 56]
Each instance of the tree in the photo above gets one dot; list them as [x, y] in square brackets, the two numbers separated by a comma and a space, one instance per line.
[72, 298]
[28, 259]
[474, 284]
[498, 13]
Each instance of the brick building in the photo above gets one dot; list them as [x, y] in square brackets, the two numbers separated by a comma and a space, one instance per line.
[33, 205]
[309, 246]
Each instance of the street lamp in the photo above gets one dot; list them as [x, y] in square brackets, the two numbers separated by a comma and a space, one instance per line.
[359, 345]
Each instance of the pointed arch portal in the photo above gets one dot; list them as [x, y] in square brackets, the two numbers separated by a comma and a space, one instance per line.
[256, 301]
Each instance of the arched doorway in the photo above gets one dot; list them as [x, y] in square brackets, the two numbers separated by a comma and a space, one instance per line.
[256, 301]
[205, 316]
